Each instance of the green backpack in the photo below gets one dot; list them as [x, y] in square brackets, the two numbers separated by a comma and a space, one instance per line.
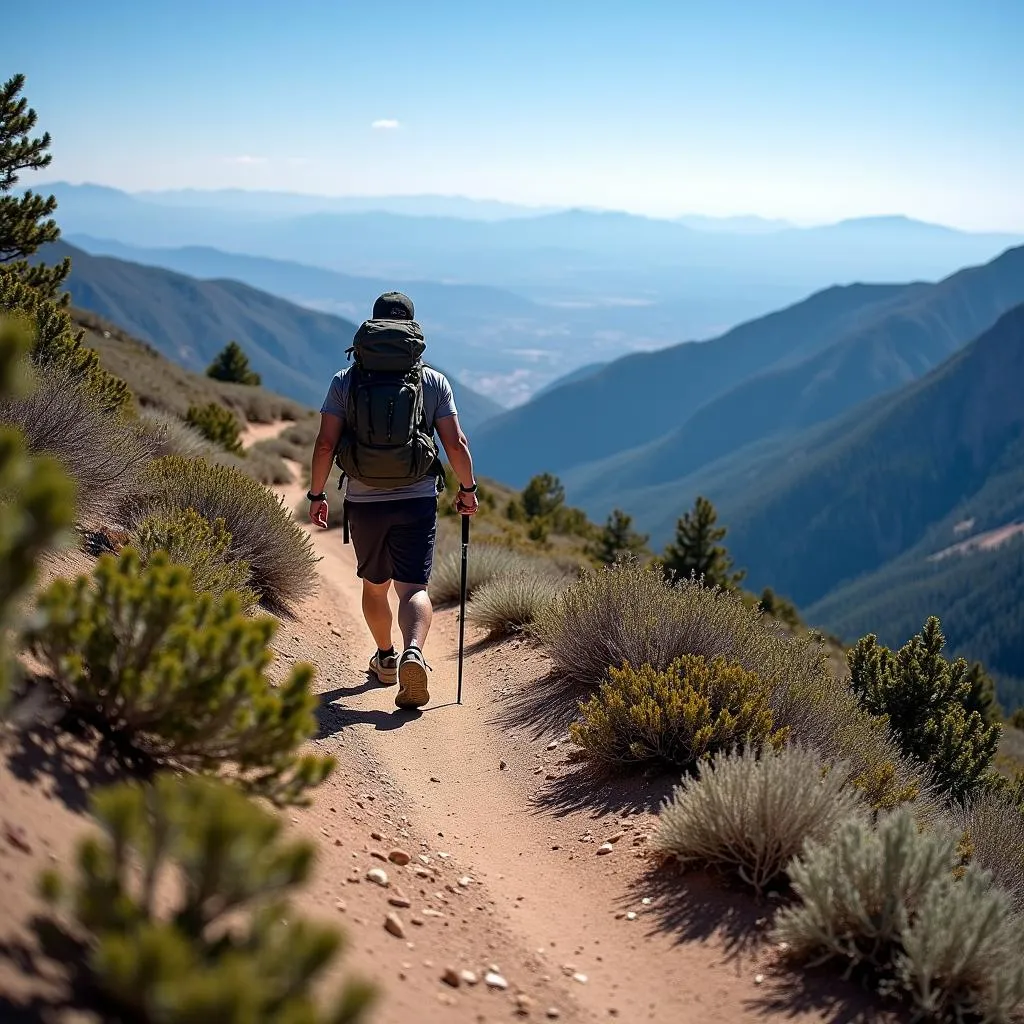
[387, 442]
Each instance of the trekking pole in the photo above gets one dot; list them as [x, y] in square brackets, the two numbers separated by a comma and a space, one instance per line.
[462, 599]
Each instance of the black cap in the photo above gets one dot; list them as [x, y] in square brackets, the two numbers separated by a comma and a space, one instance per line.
[394, 306]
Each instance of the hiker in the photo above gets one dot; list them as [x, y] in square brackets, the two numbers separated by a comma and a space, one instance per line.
[378, 423]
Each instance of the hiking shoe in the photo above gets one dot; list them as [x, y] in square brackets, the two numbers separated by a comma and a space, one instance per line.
[385, 667]
[412, 680]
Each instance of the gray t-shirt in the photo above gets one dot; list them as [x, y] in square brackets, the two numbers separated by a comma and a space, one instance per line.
[438, 402]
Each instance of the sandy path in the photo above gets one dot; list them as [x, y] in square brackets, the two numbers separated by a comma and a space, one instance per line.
[504, 806]
[254, 432]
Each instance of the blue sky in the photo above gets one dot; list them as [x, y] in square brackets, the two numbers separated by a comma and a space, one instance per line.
[808, 110]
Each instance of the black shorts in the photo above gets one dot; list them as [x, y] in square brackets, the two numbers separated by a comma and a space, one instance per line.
[393, 540]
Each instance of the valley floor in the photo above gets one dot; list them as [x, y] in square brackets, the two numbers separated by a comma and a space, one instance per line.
[504, 837]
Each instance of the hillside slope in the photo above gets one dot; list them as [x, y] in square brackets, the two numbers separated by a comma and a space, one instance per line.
[640, 397]
[296, 350]
[896, 346]
[892, 470]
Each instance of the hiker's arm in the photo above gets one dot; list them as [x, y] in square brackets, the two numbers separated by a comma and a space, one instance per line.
[323, 451]
[456, 447]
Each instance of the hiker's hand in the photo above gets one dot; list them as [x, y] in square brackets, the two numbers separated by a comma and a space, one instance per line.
[466, 504]
[318, 513]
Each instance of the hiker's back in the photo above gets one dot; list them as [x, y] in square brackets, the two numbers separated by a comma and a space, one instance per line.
[390, 401]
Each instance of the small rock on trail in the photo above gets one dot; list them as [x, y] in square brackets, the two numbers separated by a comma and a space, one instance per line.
[393, 924]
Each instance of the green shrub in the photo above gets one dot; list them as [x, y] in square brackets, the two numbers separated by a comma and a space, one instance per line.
[509, 603]
[36, 502]
[190, 540]
[751, 812]
[677, 716]
[232, 365]
[993, 828]
[923, 697]
[177, 676]
[102, 451]
[217, 424]
[630, 613]
[229, 947]
[263, 533]
[888, 901]
[486, 562]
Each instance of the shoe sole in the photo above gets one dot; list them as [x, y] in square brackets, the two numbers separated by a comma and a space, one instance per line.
[385, 676]
[412, 685]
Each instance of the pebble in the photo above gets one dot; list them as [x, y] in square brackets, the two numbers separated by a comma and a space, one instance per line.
[465, 881]
[494, 980]
[523, 1005]
[646, 901]
[377, 855]
[376, 837]
[581, 978]
[553, 1013]
[398, 900]
[604, 848]
[399, 857]
[434, 778]
[615, 838]
[336, 632]
[631, 916]
[758, 979]
[451, 977]
[378, 875]
[393, 924]
[553, 745]
[502, 765]
[469, 977]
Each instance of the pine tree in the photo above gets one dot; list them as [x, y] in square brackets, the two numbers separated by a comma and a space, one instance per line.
[618, 538]
[925, 697]
[982, 694]
[232, 365]
[26, 221]
[543, 496]
[696, 550]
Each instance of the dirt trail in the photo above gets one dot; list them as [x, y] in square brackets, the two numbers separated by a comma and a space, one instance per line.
[495, 795]
[251, 433]
[502, 837]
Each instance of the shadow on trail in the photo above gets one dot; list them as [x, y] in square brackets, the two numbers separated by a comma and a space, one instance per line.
[583, 789]
[694, 906]
[336, 718]
[64, 760]
[699, 906]
[824, 993]
[547, 705]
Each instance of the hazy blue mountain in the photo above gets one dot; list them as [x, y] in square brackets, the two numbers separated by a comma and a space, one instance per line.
[894, 346]
[276, 204]
[735, 225]
[581, 373]
[641, 397]
[295, 349]
[725, 276]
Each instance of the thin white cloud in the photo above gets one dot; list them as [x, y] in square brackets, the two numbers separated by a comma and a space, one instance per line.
[245, 159]
[385, 123]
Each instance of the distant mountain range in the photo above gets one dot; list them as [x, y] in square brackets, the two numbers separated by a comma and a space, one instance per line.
[296, 350]
[592, 285]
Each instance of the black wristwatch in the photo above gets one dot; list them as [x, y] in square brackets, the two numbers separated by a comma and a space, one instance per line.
[322, 496]
[468, 490]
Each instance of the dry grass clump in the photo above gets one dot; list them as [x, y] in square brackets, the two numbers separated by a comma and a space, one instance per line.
[629, 613]
[263, 533]
[887, 902]
[694, 708]
[486, 562]
[511, 602]
[173, 436]
[103, 452]
[993, 839]
[750, 812]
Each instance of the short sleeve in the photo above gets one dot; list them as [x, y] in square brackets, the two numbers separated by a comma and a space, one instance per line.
[445, 399]
[334, 403]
